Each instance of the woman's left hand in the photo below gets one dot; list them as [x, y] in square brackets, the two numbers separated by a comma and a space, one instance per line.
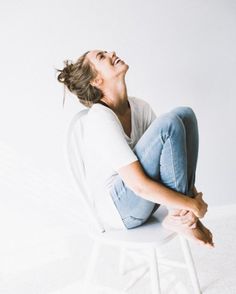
[186, 218]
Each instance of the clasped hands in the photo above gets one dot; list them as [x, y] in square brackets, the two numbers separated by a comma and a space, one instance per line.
[189, 218]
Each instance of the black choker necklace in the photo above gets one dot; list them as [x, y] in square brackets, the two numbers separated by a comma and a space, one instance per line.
[107, 105]
[103, 103]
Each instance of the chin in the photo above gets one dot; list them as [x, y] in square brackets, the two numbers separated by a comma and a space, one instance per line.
[127, 67]
[123, 70]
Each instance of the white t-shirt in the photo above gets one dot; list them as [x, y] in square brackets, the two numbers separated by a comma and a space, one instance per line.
[107, 148]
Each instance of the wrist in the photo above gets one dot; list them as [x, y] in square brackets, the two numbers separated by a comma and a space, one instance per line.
[190, 204]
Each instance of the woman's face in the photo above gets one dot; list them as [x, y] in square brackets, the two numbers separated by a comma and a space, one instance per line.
[107, 64]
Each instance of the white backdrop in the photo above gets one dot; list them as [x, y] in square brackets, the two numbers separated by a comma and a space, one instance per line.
[179, 53]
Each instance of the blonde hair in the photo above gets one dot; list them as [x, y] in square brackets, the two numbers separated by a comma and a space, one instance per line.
[76, 77]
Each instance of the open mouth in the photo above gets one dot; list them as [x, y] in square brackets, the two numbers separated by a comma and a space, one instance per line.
[117, 60]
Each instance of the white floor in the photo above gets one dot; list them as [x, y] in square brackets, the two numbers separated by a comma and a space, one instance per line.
[48, 255]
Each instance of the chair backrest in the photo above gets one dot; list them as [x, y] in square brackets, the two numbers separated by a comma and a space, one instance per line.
[77, 166]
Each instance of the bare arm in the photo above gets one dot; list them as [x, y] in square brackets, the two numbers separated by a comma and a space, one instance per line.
[135, 178]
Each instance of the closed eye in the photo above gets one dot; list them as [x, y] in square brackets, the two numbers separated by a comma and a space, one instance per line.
[102, 55]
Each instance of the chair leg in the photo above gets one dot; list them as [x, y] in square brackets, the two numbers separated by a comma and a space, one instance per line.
[190, 265]
[91, 265]
[122, 261]
[154, 272]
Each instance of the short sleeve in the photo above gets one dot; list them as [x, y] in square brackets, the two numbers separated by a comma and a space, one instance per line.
[149, 115]
[152, 115]
[106, 134]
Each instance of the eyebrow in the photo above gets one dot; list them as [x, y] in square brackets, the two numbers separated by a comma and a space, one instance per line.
[100, 53]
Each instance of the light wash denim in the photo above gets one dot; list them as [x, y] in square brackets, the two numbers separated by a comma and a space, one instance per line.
[168, 152]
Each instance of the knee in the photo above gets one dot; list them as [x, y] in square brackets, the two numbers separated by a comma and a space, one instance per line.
[185, 112]
[170, 121]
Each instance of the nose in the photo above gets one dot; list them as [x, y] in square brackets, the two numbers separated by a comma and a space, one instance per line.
[112, 53]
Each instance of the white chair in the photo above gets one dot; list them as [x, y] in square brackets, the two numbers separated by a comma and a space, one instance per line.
[148, 238]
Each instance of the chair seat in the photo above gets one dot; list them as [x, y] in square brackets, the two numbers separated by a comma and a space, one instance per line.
[150, 233]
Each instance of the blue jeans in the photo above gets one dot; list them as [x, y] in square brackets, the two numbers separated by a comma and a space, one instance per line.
[168, 152]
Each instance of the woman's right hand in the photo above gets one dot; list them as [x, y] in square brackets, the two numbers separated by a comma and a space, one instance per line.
[200, 206]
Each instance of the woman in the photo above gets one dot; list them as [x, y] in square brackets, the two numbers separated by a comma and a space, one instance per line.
[142, 161]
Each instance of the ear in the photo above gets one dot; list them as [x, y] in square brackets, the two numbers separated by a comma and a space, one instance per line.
[97, 81]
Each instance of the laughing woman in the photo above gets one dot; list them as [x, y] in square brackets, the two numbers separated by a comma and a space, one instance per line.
[135, 160]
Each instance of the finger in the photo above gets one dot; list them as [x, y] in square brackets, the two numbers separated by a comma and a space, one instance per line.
[187, 223]
[190, 222]
[178, 212]
[183, 212]
[190, 225]
[193, 222]
[193, 226]
[176, 217]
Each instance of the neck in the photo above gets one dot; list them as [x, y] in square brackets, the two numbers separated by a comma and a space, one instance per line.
[115, 97]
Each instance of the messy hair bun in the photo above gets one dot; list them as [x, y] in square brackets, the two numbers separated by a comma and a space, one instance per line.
[77, 77]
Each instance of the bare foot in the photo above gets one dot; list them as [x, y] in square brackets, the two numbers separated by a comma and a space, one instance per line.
[199, 234]
[206, 231]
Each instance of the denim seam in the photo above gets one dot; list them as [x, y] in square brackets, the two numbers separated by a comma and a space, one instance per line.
[151, 145]
[173, 167]
[146, 151]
